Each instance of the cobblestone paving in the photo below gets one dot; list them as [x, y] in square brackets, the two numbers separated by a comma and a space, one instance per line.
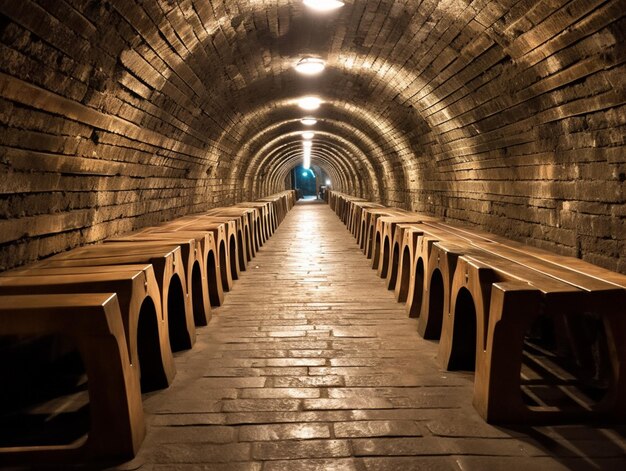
[312, 365]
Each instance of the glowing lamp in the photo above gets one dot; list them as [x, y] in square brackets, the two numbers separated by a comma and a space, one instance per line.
[310, 66]
[324, 5]
[309, 103]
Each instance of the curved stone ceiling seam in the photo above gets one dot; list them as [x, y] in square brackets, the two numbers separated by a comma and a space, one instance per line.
[348, 175]
[364, 122]
[295, 148]
[320, 161]
[347, 180]
[340, 152]
[276, 179]
[340, 183]
[372, 179]
[279, 177]
[352, 178]
[371, 147]
[266, 153]
[296, 145]
[196, 89]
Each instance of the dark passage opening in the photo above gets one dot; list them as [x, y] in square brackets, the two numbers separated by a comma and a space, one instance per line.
[376, 254]
[395, 260]
[385, 255]
[405, 276]
[213, 279]
[305, 181]
[223, 266]
[435, 307]
[176, 320]
[248, 254]
[463, 354]
[232, 252]
[197, 298]
[418, 289]
[149, 349]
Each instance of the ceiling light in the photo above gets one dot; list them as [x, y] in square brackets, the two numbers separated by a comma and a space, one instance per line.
[308, 121]
[324, 5]
[307, 145]
[309, 103]
[310, 66]
[308, 135]
[327, 182]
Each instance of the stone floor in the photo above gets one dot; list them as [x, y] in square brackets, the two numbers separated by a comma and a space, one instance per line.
[311, 364]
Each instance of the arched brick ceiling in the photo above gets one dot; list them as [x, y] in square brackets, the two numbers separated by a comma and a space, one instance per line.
[505, 114]
[257, 83]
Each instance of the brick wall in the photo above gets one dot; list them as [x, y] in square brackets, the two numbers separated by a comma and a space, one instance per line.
[509, 115]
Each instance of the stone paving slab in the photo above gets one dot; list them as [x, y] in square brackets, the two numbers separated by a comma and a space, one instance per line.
[312, 365]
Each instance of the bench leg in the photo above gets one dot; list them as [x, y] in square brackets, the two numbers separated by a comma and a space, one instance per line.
[497, 393]
[117, 420]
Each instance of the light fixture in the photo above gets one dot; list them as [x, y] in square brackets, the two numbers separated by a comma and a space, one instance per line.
[309, 103]
[308, 121]
[307, 145]
[310, 66]
[327, 182]
[324, 5]
[308, 135]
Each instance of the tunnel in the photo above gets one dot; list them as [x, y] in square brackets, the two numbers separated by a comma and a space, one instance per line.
[503, 117]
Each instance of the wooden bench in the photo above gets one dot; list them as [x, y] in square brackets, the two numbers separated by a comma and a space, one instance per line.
[208, 247]
[356, 213]
[94, 324]
[192, 254]
[188, 255]
[504, 314]
[443, 269]
[245, 238]
[284, 201]
[263, 219]
[234, 237]
[220, 236]
[346, 208]
[170, 271]
[430, 278]
[240, 261]
[139, 301]
[276, 212]
[385, 230]
[372, 244]
[446, 255]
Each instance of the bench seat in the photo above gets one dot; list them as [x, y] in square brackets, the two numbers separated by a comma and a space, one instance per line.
[442, 269]
[220, 236]
[140, 307]
[193, 260]
[94, 324]
[170, 271]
